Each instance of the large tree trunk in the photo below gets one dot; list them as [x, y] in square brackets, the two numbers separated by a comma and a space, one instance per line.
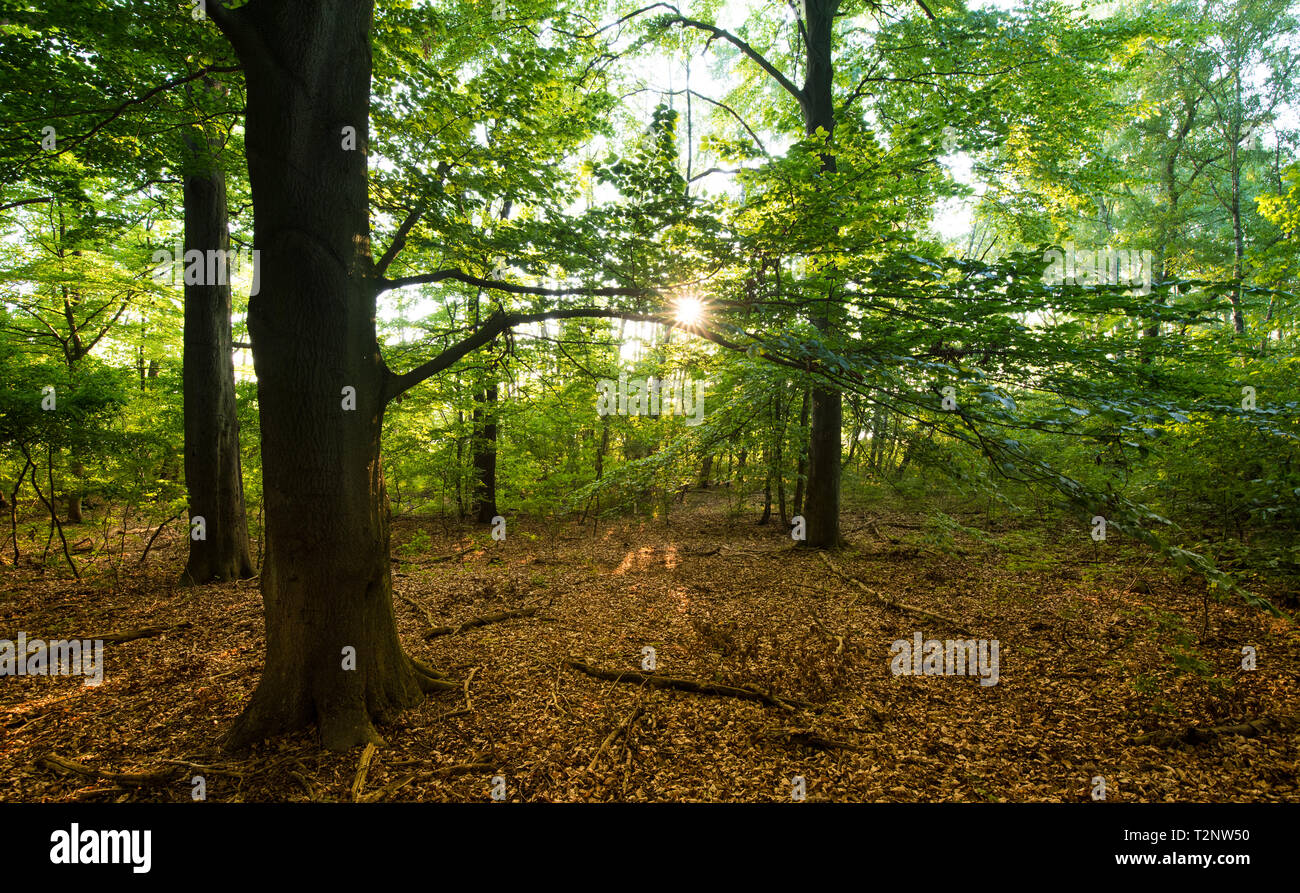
[822, 512]
[213, 478]
[326, 584]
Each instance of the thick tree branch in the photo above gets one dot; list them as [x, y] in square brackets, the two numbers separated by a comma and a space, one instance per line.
[399, 240]
[496, 324]
[717, 33]
[27, 201]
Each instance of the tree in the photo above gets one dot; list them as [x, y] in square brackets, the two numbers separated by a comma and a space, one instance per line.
[148, 92]
[213, 476]
[333, 656]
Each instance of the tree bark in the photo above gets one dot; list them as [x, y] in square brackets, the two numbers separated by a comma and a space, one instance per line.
[326, 584]
[822, 513]
[1238, 231]
[214, 480]
[801, 469]
[485, 454]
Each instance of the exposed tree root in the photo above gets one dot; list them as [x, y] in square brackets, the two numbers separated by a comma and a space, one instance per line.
[144, 632]
[431, 680]
[428, 617]
[1200, 735]
[888, 602]
[207, 770]
[691, 685]
[482, 621]
[344, 729]
[126, 779]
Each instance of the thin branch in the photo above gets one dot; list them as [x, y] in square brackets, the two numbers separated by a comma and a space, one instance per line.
[142, 98]
[728, 109]
[404, 230]
[49, 503]
[511, 287]
[107, 326]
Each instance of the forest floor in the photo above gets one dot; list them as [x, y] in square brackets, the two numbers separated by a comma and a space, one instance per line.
[1100, 644]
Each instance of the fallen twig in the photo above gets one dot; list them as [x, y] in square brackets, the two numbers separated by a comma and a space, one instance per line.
[839, 640]
[469, 705]
[149, 545]
[691, 685]
[130, 635]
[482, 621]
[211, 770]
[894, 603]
[464, 767]
[363, 768]
[387, 790]
[622, 727]
[428, 618]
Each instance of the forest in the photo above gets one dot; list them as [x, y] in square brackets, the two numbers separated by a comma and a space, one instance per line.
[459, 401]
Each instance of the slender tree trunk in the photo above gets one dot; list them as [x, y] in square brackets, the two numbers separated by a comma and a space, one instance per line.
[333, 656]
[767, 498]
[801, 469]
[1238, 230]
[1238, 247]
[603, 448]
[460, 465]
[485, 455]
[74, 503]
[214, 481]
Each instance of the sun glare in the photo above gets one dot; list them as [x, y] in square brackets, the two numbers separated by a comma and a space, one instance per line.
[688, 311]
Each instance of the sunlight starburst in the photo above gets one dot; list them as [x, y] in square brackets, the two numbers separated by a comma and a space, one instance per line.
[688, 311]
